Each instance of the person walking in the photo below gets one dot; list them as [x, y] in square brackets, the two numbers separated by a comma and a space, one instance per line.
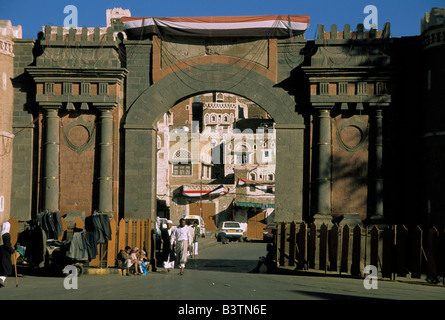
[182, 240]
[196, 236]
[5, 253]
[168, 254]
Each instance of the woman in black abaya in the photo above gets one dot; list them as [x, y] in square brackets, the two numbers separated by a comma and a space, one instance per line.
[5, 254]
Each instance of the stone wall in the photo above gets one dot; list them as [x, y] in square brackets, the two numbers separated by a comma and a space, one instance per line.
[7, 35]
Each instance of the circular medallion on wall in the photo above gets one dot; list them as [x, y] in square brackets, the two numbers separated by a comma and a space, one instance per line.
[79, 135]
[351, 134]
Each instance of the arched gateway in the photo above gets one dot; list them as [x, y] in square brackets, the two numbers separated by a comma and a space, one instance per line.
[87, 102]
[140, 133]
[216, 65]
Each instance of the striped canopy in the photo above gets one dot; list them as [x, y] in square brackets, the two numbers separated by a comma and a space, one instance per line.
[186, 191]
[234, 26]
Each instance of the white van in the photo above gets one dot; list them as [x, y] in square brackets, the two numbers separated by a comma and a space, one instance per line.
[192, 218]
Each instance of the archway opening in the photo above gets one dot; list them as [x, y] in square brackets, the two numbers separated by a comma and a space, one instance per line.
[215, 158]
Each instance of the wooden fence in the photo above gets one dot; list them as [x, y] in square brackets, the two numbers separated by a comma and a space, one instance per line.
[395, 251]
[134, 233]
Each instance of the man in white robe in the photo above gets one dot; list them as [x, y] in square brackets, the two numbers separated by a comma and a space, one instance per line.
[182, 238]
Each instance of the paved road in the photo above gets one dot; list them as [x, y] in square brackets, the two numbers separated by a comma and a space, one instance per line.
[219, 273]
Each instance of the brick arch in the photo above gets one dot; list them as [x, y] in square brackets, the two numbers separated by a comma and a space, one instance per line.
[140, 133]
[164, 94]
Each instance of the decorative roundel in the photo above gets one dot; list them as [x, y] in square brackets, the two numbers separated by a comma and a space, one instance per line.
[79, 135]
[352, 135]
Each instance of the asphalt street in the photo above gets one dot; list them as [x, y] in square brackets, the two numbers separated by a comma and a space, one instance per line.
[220, 272]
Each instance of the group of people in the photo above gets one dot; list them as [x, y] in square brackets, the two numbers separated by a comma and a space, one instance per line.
[134, 261]
[178, 243]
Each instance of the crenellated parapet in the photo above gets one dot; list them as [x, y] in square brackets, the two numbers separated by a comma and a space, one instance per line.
[78, 47]
[352, 48]
[350, 67]
[77, 67]
[359, 34]
[433, 28]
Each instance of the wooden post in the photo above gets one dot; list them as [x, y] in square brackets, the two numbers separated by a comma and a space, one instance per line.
[293, 250]
[111, 253]
[143, 236]
[375, 234]
[277, 242]
[323, 247]
[333, 247]
[148, 245]
[416, 252]
[356, 251]
[283, 242]
[13, 230]
[402, 251]
[130, 233]
[121, 236]
[312, 246]
[302, 246]
[344, 267]
[431, 254]
[388, 251]
[138, 234]
[441, 255]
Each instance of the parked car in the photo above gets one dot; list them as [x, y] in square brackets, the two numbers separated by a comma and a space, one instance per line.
[202, 227]
[268, 232]
[233, 230]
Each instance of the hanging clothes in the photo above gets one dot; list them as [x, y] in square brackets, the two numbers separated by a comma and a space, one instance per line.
[34, 239]
[51, 223]
[99, 224]
[79, 247]
[91, 238]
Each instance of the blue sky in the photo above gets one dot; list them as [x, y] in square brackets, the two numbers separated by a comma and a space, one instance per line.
[404, 15]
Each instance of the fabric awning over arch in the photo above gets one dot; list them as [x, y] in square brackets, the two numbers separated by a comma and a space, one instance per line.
[230, 26]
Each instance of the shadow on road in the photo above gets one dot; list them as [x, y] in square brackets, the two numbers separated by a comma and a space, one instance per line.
[223, 265]
[334, 296]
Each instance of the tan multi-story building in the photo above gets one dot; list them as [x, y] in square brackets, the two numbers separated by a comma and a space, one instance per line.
[220, 162]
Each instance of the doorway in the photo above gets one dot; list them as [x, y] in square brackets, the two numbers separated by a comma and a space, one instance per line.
[256, 222]
[208, 214]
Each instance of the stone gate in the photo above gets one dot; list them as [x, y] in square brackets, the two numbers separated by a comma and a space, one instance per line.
[89, 99]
